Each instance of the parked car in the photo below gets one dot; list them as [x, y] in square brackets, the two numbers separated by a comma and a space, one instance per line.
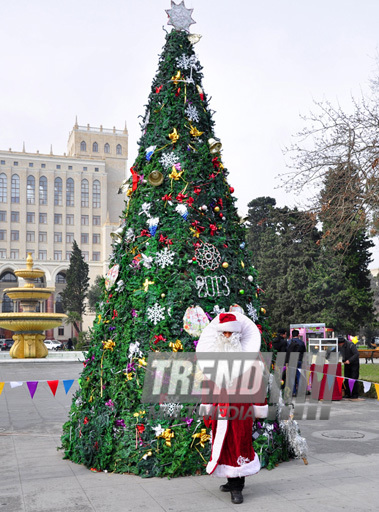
[6, 344]
[52, 344]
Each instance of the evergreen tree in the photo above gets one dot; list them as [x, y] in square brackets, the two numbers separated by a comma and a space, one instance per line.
[180, 245]
[95, 293]
[284, 247]
[75, 292]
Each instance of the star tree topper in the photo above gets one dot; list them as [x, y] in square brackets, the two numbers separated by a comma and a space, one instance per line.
[179, 16]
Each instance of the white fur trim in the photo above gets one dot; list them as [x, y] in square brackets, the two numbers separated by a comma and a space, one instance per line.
[229, 327]
[224, 471]
[222, 428]
[260, 411]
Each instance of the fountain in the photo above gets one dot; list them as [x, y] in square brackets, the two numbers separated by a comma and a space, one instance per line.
[29, 325]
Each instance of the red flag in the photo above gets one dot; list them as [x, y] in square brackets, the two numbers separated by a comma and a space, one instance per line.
[53, 384]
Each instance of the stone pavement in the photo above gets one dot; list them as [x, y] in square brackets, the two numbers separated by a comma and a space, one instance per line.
[342, 474]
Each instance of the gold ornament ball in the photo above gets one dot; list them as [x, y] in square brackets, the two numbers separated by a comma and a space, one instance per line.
[163, 295]
[225, 264]
[217, 209]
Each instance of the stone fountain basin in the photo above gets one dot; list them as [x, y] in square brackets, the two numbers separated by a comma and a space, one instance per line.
[26, 322]
[29, 274]
[29, 293]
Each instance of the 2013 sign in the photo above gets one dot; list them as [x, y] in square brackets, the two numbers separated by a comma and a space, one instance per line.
[212, 286]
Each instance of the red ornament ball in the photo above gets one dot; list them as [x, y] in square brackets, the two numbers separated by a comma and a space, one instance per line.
[231, 190]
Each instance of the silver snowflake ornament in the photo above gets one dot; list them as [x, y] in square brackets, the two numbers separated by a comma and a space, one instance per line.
[185, 62]
[252, 312]
[165, 258]
[168, 160]
[155, 313]
[171, 409]
[179, 16]
[192, 113]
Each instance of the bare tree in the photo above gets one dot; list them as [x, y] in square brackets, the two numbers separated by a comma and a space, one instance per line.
[331, 141]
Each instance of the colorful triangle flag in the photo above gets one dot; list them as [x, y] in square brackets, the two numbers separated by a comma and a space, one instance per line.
[53, 384]
[377, 389]
[67, 385]
[351, 384]
[330, 380]
[32, 386]
[15, 384]
[366, 386]
[339, 383]
[319, 376]
[1, 387]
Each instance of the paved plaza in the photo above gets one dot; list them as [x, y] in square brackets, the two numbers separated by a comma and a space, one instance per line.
[342, 474]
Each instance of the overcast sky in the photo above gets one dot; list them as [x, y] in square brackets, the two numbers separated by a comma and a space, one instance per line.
[264, 63]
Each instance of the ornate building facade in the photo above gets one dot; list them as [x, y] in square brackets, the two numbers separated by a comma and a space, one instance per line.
[48, 201]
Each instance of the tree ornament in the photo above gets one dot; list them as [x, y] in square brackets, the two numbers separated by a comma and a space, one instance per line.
[111, 276]
[236, 307]
[149, 152]
[155, 313]
[231, 190]
[225, 264]
[195, 132]
[195, 321]
[186, 62]
[182, 210]
[176, 346]
[213, 229]
[146, 285]
[263, 311]
[155, 178]
[242, 292]
[175, 175]
[250, 279]
[174, 136]
[158, 89]
[208, 256]
[176, 78]
[243, 245]
[145, 209]
[214, 145]
[165, 258]
[200, 91]
[194, 38]
[204, 207]
[252, 312]
[163, 295]
[212, 286]
[153, 225]
[192, 113]
[169, 159]
[179, 16]
[216, 209]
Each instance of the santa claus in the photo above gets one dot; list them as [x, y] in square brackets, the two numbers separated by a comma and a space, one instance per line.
[233, 454]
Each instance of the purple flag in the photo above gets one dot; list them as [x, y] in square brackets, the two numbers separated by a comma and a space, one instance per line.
[32, 386]
[351, 384]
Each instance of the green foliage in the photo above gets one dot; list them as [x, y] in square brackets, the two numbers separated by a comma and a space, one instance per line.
[109, 428]
[75, 292]
[95, 293]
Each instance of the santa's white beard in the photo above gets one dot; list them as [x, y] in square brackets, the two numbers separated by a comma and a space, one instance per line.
[231, 344]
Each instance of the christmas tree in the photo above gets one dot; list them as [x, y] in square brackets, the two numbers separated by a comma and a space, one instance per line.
[179, 253]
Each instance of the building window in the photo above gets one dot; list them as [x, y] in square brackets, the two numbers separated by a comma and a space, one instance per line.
[58, 255]
[96, 220]
[84, 220]
[69, 238]
[83, 146]
[42, 236]
[57, 166]
[31, 164]
[107, 148]
[15, 164]
[70, 167]
[95, 147]
[30, 190]
[2, 162]
[85, 168]
[70, 192]
[43, 218]
[30, 217]
[60, 329]
[3, 234]
[30, 236]
[61, 278]
[57, 218]
[58, 192]
[8, 277]
[95, 256]
[14, 254]
[118, 149]
[59, 308]
[43, 166]
[7, 305]
[70, 219]
[43, 190]
[85, 194]
[3, 254]
[96, 169]
[42, 255]
[85, 255]
[15, 235]
[58, 237]
[15, 216]
[3, 188]
[3, 216]
[15, 189]
[85, 238]
[68, 255]
[96, 194]
[96, 238]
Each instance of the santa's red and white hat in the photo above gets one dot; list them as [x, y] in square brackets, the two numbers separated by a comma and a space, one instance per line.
[228, 323]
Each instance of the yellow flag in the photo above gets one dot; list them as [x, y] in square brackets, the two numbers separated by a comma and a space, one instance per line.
[1, 387]
[377, 390]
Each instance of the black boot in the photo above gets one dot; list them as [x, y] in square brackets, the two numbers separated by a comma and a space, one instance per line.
[236, 497]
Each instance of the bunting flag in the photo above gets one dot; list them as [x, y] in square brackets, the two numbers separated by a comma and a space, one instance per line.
[351, 384]
[366, 386]
[330, 380]
[339, 383]
[1, 387]
[377, 390]
[67, 385]
[15, 384]
[53, 384]
[32, 386]
[320, 375]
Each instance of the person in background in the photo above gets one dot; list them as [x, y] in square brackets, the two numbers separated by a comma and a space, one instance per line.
[280, 342]
[350, 358]
[70, 344]
[296, 344]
